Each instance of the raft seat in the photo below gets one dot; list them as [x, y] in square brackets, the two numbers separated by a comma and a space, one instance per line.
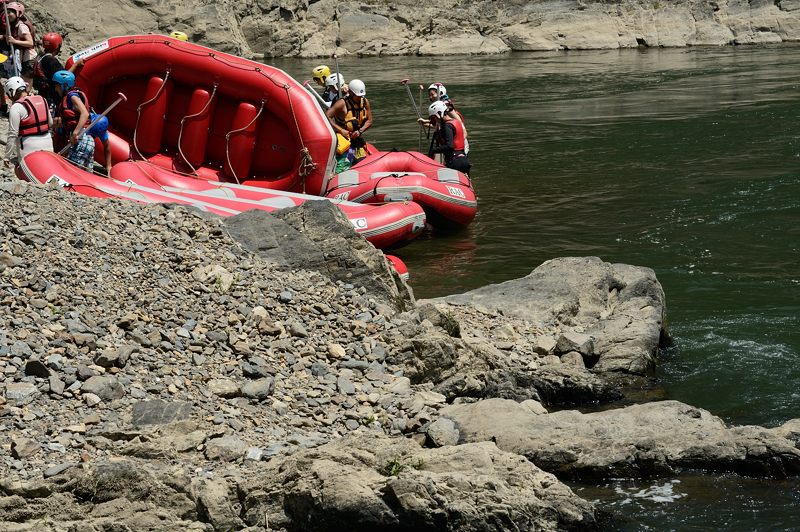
[193, 135]
[149, 130]
[240, 141]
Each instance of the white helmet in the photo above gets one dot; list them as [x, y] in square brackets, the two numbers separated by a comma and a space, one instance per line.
[437, 108]
[334, 81]
[357, 87]
[439, 88]
[14, 85]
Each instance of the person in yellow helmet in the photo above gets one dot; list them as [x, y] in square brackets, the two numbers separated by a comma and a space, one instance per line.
[180, 36]
[320, 74]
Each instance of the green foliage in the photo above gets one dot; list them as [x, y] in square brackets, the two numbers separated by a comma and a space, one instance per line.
[396, 465]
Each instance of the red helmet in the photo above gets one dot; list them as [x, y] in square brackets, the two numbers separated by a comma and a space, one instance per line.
[51, 42]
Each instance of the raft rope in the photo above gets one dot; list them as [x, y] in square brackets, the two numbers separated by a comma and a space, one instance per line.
[228, 140]
[142, 106]
[188, 117]
[307, 164]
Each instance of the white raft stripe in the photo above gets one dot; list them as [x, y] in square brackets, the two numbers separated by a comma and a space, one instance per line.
[424, 191]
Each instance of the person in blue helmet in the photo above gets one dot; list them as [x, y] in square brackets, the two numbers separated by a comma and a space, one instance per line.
[72, 115]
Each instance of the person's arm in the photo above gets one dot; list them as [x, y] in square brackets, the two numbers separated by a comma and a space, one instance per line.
[76, 65]
[77, 104]
[12, 143]
[368, 123]
[337, 109]
[27, 39]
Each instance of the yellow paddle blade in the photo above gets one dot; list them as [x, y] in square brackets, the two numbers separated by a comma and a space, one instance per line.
[3, 58]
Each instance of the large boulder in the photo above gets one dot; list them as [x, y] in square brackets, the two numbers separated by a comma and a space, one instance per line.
[378, 483]
[318, 236]
[652, 439]
[621, 307]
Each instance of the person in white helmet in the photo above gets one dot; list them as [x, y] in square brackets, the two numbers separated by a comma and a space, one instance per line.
[351, 117]
[333, 83]
[449, 138]
[29, 122]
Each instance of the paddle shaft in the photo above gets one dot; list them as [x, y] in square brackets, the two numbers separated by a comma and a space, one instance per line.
[338, 77]
[307, 85]
[411, 97]
[11, 46]
[120, 98]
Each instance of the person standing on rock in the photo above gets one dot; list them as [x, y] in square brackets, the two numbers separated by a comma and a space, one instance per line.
[29, 122]
[21, 38]
[448, 138]
[72, 114]
[351, 117]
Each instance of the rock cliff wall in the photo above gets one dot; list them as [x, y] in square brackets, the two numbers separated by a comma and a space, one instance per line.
[303, 28]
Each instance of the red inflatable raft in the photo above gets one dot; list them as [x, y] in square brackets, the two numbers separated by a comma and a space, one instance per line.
[444, 193]
[389, 225]
[199, 112]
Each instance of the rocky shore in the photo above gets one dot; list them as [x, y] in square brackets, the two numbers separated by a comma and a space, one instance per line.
[295, 28]
[163, 369]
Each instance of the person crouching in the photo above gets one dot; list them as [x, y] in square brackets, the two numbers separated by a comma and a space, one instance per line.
[29, 122]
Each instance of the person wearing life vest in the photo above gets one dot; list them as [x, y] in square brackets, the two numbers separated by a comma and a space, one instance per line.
[351, 117]
[72, 115]
[21, 38]
[448, 138]
[438, 92]
[29, 122]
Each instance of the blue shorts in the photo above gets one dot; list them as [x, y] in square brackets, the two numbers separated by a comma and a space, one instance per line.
[100, 129]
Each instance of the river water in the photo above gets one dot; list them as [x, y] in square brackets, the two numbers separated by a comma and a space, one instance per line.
[682, 160]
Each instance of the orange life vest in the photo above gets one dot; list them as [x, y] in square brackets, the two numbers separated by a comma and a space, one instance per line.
[36, 123]
[458, 138]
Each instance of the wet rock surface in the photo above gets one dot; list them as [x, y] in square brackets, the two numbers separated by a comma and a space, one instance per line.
[318, 29]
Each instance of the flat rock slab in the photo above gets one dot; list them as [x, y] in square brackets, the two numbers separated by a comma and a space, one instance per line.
[645, 440]
[365, 483]
[620, 309]
[160, 412]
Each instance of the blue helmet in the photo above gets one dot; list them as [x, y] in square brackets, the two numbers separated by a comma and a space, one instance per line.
[64, 78]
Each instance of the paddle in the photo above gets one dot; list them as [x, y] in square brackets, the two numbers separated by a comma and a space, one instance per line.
[404, 83]
[120, 98]
[315, 93]
[3, 58]
[338, 77]
[11, 46]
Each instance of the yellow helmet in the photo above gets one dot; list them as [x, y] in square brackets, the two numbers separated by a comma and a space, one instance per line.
[320, 74]
[179, 35]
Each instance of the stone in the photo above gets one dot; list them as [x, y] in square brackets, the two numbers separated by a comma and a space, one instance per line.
[20, 391]
[573, 341]
[443, 432]
[106, 388]
[224, 388]
[56, 385]
[158, 412]
[226, 449]
[91, 399]
[345, 386]
[24, 447]
[573, 358]
[259, 389]
[35, 368]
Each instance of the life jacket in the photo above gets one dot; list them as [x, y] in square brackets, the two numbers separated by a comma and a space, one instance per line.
[36, 123]
[15, 30]
[69, 116]
[458, 138]
[355, 117]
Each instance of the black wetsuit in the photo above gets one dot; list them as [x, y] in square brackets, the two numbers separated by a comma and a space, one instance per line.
[445, 141]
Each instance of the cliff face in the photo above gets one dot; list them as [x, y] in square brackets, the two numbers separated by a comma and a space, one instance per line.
[302, 28]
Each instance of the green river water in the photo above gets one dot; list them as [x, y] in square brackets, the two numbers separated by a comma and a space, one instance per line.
[682, 160]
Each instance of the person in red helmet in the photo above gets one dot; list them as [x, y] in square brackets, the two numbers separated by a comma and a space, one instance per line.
[47, 65]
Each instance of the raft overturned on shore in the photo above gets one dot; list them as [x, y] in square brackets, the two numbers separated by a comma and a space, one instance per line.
[385, 226]
[198, 112]
[445, 194]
